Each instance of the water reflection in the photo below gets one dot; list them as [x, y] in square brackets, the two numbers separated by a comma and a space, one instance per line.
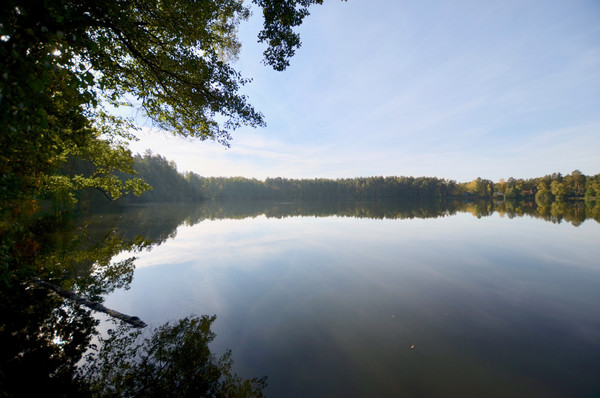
[150, 218]
[173, 360]
[44, 337]
[331, 306]
[324, 306]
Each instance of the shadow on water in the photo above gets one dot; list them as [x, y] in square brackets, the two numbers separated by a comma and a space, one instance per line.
[44, 336]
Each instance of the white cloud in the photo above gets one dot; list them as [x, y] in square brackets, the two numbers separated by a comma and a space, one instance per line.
[383, 88]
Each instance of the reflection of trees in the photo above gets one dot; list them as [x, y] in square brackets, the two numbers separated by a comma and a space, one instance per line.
[42, 340]
[43, 336]
[160, 221]
[378, 209]
[174, 361]
[573, 212]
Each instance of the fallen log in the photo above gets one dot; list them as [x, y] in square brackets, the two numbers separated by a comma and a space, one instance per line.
[132, 320]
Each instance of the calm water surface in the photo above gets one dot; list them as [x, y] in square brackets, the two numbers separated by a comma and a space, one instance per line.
[343, 306]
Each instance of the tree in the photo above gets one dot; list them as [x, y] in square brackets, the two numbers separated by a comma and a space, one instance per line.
[558, 189]
[481, 187]
[501, 186]
[575, 183]
[63, 60]
[593, 187]
[544, 197]
[174, 361]
[64, 63]
[47, 108]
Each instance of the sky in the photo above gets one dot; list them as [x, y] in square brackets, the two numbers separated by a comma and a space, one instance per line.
[448, 89]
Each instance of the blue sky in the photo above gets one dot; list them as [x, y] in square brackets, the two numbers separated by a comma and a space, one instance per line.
[455, 90]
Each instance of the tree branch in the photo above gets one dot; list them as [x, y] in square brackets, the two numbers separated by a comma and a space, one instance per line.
[132, 320]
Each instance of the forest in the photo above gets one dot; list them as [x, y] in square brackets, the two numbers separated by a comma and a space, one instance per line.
[168, 185]
[66, 66]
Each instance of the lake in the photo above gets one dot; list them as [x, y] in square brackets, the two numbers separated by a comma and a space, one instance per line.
[349, 300]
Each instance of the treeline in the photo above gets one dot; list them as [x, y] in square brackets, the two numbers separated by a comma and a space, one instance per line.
[163, 183]
[547, 189]
[320, 188]
[554, 187]
[168, 185]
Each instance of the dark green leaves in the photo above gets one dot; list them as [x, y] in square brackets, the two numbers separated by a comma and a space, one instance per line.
[62, 58]
[280, 17]
[173, 361]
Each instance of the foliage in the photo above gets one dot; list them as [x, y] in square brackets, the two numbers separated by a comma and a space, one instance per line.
[552, 187]
[544, 197]
[64, 63]
[50, 108]
[280, 17]
[171, 186]
[63, 60]
[168, 185]
[174, 361]
[320, 188]
[481, 187]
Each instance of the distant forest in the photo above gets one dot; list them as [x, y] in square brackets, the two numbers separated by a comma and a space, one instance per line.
[171, 186]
